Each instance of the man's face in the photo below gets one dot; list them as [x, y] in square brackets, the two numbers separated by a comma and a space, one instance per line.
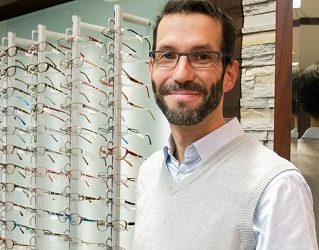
[187, 95]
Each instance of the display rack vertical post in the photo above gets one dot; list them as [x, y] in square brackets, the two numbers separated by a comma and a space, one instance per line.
[39, 162]
[119, 18]
[12, 41]
[9, 138]
[117, 89]
[74, 107]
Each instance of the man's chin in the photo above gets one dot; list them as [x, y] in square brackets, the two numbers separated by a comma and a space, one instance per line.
[182, 106]
[183, 100]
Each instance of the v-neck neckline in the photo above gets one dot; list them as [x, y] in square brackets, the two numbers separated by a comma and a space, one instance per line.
[213, 160]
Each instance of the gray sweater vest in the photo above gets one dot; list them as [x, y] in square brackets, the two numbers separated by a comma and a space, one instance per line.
[213, 208]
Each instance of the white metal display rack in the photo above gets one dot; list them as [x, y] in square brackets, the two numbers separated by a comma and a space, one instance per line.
[36, 161]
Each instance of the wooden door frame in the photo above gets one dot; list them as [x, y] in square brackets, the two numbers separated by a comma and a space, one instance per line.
[283, 68]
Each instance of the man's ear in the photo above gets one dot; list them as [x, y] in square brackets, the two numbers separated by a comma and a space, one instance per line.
[230, 76]
[150, 66]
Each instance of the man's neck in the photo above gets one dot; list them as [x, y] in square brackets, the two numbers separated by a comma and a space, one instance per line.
[186, 135]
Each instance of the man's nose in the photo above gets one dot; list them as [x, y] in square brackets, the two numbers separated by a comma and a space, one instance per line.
[183, 71]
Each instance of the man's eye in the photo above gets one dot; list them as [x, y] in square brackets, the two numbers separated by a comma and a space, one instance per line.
[202, 56]
[169, 56]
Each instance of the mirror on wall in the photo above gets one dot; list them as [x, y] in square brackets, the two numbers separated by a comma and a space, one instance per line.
[305, 52]
[305, 123]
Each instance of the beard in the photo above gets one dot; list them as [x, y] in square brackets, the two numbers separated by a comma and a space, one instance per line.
[184, 115]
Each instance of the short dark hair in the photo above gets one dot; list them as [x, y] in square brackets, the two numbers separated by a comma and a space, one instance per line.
[205, 7]
[309, 90]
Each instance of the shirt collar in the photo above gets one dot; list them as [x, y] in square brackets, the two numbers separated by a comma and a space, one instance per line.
[209, 144]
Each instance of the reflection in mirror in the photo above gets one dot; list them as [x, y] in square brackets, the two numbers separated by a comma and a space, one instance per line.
[305, 93]
[295, 78]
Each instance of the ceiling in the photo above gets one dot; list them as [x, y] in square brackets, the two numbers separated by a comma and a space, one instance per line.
[13, 8]
[306, 34]
[308, 9]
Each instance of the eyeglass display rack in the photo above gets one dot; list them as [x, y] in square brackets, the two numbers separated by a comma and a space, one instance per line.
[56, 190]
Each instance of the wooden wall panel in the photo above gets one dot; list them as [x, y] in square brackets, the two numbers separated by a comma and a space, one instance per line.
[283, 77]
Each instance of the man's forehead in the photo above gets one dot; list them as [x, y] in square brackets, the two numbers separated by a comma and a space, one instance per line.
[193, 28]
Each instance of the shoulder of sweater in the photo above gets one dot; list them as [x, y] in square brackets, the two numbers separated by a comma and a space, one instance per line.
[153, 162]
[245, 147]
[155, 157]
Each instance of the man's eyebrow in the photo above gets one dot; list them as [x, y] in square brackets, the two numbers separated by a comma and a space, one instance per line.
[166, 47]
[204, 47]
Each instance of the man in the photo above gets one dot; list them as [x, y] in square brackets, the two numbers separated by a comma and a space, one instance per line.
[309, 92]
[307, 154]
[211, 187]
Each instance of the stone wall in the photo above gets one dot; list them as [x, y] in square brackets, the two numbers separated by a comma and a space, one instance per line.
[258, 69]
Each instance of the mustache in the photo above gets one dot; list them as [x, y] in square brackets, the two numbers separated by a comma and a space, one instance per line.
[179, 86]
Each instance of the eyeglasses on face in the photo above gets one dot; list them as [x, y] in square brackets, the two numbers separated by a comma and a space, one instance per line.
[200, 59]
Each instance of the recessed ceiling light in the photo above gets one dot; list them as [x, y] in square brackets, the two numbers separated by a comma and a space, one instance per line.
[296, 4]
